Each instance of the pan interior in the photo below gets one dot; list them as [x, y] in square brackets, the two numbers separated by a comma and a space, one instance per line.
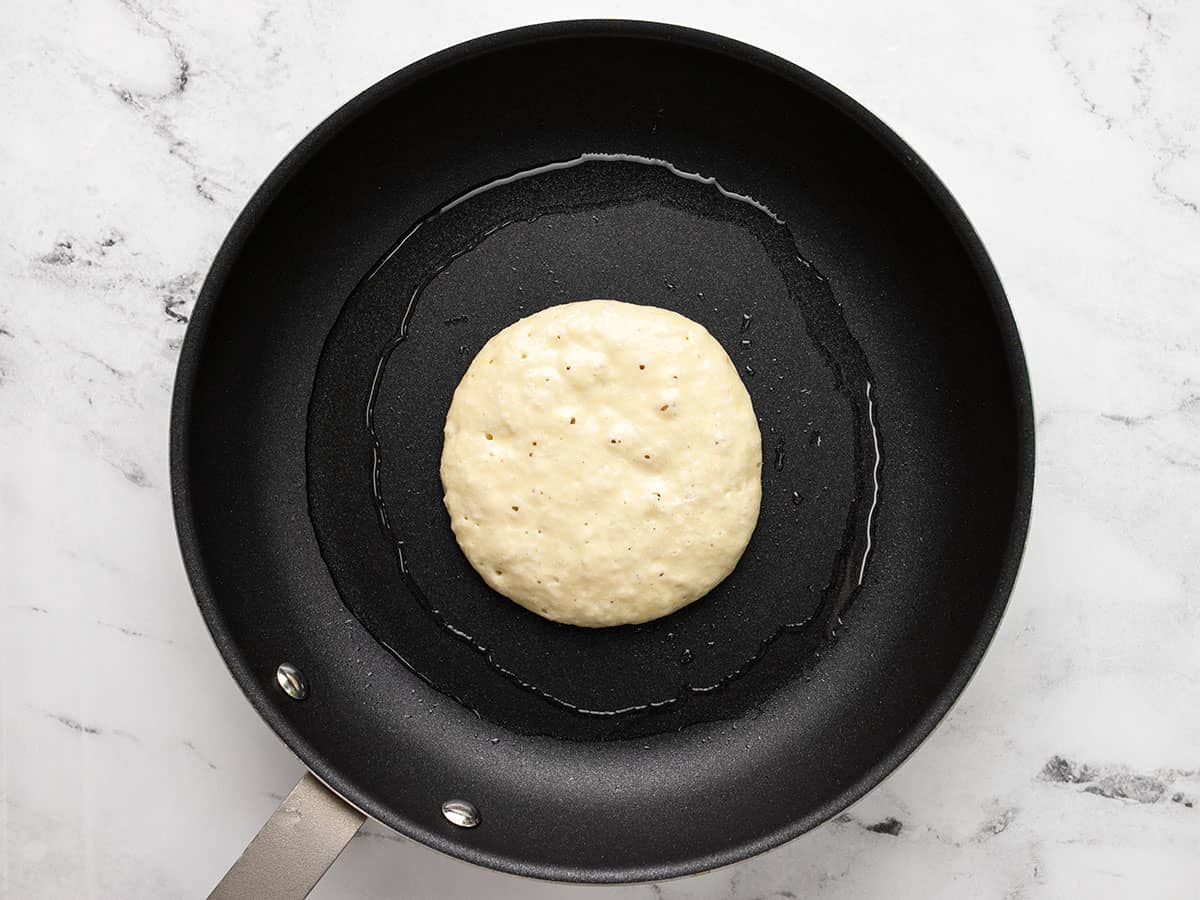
[597, 226]
[271, 463]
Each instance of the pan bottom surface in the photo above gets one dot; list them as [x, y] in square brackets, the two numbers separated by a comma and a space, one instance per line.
[621, 227]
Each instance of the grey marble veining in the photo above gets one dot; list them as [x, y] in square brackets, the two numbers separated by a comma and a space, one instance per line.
[133, 133]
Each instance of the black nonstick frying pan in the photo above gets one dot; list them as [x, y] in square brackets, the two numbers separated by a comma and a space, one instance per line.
[656, 165]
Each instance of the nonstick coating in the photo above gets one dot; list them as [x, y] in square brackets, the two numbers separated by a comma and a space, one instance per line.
[258, 475]
[587, 228]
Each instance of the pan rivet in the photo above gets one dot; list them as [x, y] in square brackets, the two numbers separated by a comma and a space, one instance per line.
[460, 813]
[292, 681]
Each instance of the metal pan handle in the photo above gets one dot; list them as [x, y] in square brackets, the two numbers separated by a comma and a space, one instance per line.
[294, 848]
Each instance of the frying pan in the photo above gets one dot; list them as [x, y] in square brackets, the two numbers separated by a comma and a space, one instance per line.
[656, 165]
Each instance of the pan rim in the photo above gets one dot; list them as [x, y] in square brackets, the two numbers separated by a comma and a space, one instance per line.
[199, 575]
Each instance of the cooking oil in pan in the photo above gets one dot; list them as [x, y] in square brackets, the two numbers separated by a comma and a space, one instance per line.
[827, 330]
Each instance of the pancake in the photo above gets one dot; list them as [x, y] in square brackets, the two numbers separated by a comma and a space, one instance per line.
[602, 463]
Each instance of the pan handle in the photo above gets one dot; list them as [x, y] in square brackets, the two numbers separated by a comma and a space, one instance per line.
[294, 848]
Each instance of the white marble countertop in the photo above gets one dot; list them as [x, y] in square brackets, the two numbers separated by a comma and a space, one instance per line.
[130, 137]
